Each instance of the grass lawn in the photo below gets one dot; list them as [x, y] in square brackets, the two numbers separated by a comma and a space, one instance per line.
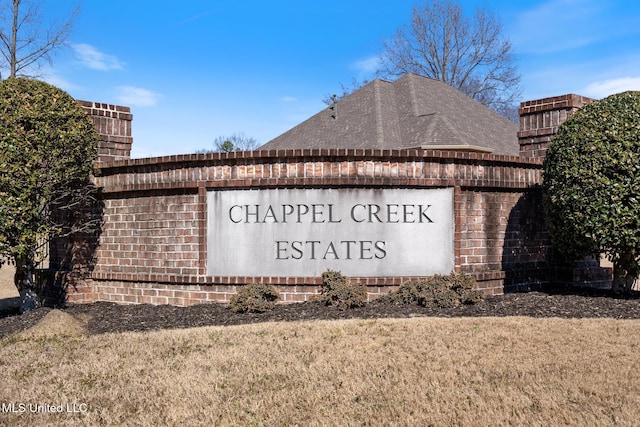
[417, 371]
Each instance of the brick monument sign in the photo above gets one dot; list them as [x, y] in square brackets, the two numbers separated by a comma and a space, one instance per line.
[397, 181]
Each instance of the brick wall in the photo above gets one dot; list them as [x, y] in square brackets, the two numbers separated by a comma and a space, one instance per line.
[153, 244]
[113, 124]
[503, 239]
[158, 234]
[540, 119]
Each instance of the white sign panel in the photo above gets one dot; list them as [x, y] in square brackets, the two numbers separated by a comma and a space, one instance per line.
[304, 232]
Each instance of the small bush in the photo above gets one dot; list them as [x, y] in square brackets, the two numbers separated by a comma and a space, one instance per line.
[337, 291]
[464, 287]
[254, 298]
[438, 291]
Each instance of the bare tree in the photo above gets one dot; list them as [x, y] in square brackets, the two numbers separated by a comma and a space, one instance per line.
[330, 99]
[235, 142]
[25, 42]
[471, 55]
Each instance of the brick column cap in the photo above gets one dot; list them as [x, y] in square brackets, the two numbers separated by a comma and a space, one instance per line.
[562, 102]
[102, 105]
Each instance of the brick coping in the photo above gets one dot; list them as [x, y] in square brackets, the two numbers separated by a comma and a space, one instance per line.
[346, 154]
[284, 280]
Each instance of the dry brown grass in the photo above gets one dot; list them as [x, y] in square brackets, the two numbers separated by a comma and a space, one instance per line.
[9, 296]
[7, 288]
[420, 371]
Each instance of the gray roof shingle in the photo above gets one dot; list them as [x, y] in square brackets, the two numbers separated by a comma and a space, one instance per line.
[410, 112]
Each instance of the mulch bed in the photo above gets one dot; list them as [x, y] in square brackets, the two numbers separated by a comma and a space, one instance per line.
[109, 317]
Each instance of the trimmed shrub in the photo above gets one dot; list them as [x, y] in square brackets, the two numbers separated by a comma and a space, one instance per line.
[591, 185]
[47, 148]
[254, 298]
[336, 290]
[438, 291]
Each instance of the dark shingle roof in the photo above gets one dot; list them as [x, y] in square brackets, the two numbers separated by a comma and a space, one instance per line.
[410, 112]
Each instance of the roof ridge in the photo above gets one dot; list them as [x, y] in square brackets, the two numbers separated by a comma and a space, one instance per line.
[413, 96]
[410, 111]
[453, 130]
[441, 130]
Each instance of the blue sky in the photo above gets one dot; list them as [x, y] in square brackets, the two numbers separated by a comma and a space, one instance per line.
[195, 70]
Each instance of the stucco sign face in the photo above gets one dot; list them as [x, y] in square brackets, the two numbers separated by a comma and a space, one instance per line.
[304, 232]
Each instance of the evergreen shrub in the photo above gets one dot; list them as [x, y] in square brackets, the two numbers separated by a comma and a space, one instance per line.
[591, 185]
[337, 291]
[438, 291]
[254, 298]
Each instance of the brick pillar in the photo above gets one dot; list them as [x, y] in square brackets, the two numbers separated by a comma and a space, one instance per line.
[540, 119]
[70, 258]
[113, 124]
